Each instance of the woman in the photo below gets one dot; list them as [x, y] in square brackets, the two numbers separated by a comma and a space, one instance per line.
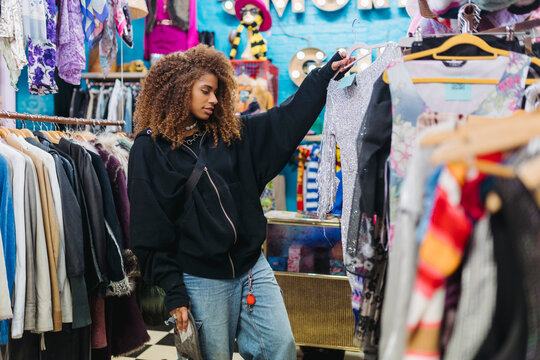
[203, 246]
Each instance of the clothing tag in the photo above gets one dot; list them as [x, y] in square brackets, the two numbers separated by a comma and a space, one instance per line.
[346, 81]
[458, 92]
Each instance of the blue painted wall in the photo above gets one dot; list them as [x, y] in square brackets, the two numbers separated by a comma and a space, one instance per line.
[325, 30]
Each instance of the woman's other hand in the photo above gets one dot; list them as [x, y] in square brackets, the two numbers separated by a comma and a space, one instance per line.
[180, 316]
[341, 64]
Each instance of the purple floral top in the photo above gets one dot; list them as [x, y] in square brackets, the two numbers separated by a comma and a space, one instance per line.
[42, 57]
[70, 54]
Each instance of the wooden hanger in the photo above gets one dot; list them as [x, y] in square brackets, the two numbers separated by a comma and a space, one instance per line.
[500, 135]
[3, 132]
[529, 174]
[462, 39]
[472, 122]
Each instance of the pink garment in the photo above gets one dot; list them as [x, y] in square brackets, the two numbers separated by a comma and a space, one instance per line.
[166, 39]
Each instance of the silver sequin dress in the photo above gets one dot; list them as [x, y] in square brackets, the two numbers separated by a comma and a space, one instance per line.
[345, 109]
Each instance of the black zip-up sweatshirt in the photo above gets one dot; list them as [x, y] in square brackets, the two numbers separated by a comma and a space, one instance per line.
[220, 229]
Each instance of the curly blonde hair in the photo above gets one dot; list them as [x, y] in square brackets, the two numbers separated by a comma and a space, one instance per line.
[164, 103]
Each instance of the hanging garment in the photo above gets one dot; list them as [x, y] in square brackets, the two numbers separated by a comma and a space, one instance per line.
[128, 113]
[67, 344]
[119, 148]
[177, 10]
[90, 196]
[103, 102]
[38, 285]
[51, 225]
[409, 103]
[345, 110]
[112, 114]
[7, 229]
[478, 281]
[122, 17]
[92, 11]
[119, 191]
[311, 192]
[73, 228]
[402, 256]
[164, 32]
[93, 104]
[42, 57]
[5, 304]
[60, 177]
[303, 155]
[70, 55]
[519, 216]
[12, 42]
[52, 164]
[373, 147]
[34, 20]
[440, 254]
[118, 283]
[17, 164]
[108, 46]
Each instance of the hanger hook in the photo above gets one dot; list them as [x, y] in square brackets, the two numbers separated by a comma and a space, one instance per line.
[352, 27]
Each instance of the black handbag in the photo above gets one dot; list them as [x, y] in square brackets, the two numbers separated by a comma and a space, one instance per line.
[151, 297]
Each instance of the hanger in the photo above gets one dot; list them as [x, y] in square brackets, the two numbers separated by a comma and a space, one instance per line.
[461, 39]
[3, 132]
[496, 136]
[472, 122]
[357, 46]
[17, 132]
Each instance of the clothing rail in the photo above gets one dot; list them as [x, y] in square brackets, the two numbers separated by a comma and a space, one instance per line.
[93, 83]
[58, 119]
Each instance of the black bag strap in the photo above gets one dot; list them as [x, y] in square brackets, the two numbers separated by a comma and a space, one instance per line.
[194, 176]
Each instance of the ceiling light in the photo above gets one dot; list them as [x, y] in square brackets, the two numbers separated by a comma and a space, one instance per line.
[228, 5]
[280, 4]
[311, 67]
[298, 6]
[319, 55]
[300, 55]
[365, 3]
[380, 2]
[340, 2]
[322, 2]
[296, 74]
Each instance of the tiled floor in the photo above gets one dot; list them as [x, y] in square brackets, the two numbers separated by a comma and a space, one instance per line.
[161, 347]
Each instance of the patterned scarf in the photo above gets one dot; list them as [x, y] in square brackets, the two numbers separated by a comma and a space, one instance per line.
[258, 46]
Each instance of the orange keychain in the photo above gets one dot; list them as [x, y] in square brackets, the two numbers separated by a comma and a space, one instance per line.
[250, 298]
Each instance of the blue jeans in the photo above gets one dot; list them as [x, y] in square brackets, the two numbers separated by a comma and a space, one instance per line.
[221, 315]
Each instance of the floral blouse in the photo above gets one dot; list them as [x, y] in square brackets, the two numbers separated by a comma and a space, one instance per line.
[42, 57]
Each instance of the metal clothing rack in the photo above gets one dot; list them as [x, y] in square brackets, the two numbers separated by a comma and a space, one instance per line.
[58, 119]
